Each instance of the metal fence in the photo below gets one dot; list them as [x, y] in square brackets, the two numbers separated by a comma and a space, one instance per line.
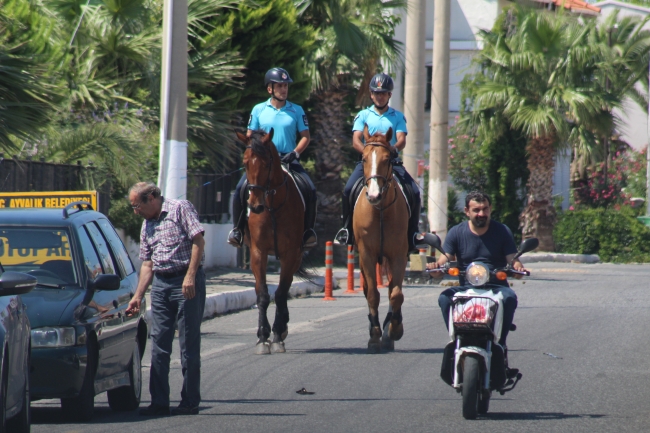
[210, 195]
[29, 175]
[208, 192]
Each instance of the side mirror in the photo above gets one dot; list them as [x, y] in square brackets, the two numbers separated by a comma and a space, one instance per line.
[106, 282]
[528, 245]
[16, 283]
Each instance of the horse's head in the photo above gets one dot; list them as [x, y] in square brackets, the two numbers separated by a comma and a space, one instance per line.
[377, 168]
[258, 162]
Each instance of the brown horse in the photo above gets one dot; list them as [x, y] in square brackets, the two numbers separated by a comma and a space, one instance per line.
[275, 226]
[380, 225]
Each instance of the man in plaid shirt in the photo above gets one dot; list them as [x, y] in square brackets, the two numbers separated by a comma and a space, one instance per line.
[171, 247]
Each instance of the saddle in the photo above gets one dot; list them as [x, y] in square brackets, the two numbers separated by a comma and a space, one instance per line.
[404, 187]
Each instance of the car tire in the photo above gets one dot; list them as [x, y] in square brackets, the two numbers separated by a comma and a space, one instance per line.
[81, 407]
[127, 398]
[22, 421]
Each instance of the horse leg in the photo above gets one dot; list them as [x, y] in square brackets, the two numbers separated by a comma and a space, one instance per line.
[372, 297]
[280, 329]
[396, 298]
[258, 266]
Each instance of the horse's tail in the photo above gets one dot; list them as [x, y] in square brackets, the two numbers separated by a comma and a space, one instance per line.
[307, 271]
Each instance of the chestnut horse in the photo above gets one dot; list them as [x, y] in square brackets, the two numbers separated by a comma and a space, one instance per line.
[275, 226]
[380, 225]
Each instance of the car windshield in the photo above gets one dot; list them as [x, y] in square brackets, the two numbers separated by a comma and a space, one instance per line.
[43, 253]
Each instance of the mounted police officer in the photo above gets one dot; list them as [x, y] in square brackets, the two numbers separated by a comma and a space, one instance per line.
[288, 120]
[380, 117]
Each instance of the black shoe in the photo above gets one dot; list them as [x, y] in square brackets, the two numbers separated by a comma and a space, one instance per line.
[341, 237]
[185, 410]
[235, 238]
[309, 239]
[155, 410]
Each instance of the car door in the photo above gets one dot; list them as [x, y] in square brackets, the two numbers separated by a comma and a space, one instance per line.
[129, 277]
[104, 304]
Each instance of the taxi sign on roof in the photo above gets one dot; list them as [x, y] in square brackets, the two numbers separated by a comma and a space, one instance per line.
[46, 199]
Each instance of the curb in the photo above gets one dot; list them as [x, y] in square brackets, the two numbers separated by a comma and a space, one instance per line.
[559, 257]
[243, 299]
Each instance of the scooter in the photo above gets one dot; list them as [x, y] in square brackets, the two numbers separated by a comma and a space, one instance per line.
[474, 363]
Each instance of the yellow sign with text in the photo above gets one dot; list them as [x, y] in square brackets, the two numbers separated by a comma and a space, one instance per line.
[46, 199]
[36, 255]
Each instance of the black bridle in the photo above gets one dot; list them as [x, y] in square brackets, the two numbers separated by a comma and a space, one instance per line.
[269, 193]
[388, 181]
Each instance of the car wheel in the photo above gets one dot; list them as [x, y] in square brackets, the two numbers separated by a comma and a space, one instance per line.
[22, 421]
[81, 407]
[127, 398]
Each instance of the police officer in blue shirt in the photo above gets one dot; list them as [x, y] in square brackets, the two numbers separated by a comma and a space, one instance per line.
[379, 117]
[288, 120]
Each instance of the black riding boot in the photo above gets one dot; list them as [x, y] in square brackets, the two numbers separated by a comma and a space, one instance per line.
[309, 238]
[414, 222]
[236, 235]
[345, 235]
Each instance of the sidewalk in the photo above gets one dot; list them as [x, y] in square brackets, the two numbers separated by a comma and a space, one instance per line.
[233, 289]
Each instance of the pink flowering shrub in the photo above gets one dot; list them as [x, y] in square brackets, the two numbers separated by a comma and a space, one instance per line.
[625, 179]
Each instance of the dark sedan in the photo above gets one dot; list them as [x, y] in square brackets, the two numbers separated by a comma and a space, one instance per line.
[83, 343]
[14, 365]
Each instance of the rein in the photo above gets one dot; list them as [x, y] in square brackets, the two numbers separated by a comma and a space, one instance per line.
[388, 181]
[270, 195]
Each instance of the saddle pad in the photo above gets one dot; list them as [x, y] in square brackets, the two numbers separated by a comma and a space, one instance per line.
[299, 184]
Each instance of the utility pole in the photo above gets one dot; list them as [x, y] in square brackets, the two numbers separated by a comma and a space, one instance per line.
[438, 173]
[172, 173]
[414, 84]
[647, 154]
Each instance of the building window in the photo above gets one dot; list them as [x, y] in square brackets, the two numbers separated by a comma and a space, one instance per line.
[427, 96]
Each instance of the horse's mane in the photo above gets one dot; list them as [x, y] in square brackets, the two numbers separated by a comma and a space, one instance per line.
[258, 147]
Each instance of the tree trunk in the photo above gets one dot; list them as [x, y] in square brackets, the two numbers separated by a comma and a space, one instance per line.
[538, 218]
[329, 138]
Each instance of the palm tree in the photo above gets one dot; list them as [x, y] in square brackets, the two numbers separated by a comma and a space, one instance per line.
[541, 69]
[354, 37]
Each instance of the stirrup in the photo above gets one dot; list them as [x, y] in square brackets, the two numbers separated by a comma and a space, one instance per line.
[341, 237]
[235, 238]
[309, 239]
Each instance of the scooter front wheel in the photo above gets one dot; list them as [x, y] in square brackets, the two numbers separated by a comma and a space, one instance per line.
[471, 387]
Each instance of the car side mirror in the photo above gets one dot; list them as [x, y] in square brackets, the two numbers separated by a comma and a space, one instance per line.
[16, 283]
[106, 282]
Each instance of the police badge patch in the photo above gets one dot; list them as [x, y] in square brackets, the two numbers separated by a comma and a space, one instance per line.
[304, 120]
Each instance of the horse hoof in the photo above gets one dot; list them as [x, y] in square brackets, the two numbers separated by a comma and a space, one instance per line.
[395, 333]
[278, 347]
[374, 347]
[263, 348]
[387, 343]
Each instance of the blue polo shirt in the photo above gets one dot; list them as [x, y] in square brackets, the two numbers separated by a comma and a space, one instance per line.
[381, 122]
[286, 122]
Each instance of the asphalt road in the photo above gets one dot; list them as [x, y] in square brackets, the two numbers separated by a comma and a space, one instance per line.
[581, 344]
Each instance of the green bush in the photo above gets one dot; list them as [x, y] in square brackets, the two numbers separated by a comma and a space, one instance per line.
[615, 235]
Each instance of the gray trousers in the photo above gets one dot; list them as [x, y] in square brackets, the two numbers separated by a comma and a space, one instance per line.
[167, 306]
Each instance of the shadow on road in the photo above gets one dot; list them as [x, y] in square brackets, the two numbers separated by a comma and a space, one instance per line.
[361, 351]
[537, 416]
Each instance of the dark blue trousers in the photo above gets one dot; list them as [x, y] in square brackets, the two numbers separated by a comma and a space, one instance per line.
[168, 306]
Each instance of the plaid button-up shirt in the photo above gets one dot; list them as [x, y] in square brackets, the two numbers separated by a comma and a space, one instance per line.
[167, 241]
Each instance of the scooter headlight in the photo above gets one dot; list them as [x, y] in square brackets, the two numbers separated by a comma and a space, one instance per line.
[477, 274]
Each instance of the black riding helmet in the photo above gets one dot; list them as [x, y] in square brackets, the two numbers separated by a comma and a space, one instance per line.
[277, 75]
[381, 83]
